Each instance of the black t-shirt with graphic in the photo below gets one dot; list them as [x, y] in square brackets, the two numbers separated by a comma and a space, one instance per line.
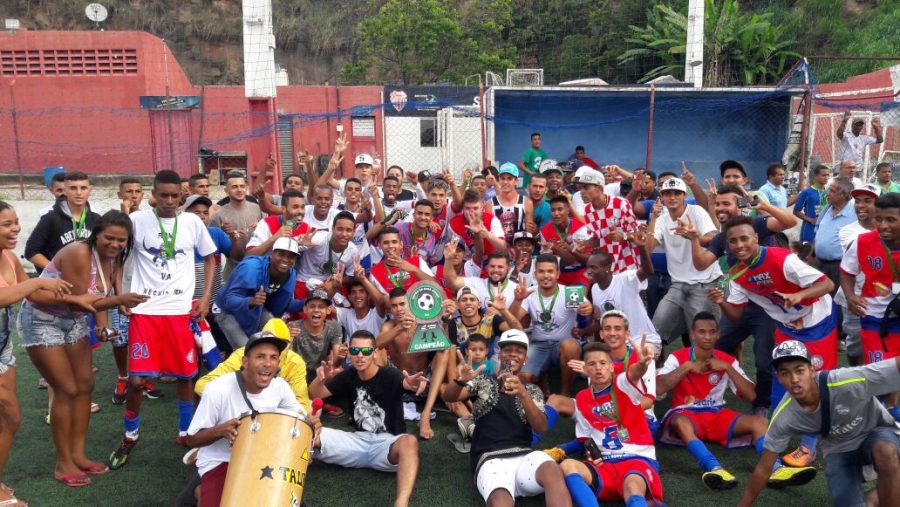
[275, 283]
[377, 405]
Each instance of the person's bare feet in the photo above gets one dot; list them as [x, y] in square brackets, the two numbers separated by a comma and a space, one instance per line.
[425, 431]
[6, 495]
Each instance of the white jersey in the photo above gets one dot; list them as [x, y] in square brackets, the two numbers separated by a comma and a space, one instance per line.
[371, 322]
[320, 225]
[623, 294]
[561, 322]
[847, 235]
[168, 282]
[314, 261]
[485, 289]
[678, 249]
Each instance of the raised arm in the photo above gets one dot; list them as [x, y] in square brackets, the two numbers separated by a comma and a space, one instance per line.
[843, 125]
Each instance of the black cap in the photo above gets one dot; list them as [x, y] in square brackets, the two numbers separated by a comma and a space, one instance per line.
[265, 337]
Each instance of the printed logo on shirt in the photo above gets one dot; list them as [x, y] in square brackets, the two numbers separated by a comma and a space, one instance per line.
[714, 378]
[817, 362]
[190, 357]
[875, 262]
[881, 289]
[761, 279]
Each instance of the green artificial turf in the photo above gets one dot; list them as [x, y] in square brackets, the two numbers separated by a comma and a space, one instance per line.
[155, 474]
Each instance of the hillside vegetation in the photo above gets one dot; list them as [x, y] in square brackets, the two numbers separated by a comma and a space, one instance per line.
[429, 41]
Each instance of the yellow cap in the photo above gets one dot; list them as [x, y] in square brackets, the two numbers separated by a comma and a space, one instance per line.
[278, 328]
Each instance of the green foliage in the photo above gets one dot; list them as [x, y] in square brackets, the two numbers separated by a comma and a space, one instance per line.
[740, 48]
[426, 41]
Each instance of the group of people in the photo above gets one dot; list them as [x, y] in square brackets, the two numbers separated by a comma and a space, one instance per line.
[600, 274]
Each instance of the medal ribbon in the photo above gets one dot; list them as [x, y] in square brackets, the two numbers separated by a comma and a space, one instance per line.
[78, 225]
[544, 311]
[895, 268]
[168, 241]
[732, 276]
[502, 288]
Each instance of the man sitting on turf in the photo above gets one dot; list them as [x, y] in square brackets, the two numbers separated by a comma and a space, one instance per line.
[396, 336]
[507, 411]
[621, 460]
[699, 376]
[859, 430]
[380, 441]
[215, 423]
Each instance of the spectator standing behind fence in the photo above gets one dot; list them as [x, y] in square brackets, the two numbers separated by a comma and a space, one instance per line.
[579, 156]
[883, 172]
[811, 202]
[847, 169]
[531, 161]
[774, 189]
[854, 142]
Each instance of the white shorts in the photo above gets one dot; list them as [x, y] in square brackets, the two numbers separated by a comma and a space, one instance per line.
[360, 449]
[516, 475]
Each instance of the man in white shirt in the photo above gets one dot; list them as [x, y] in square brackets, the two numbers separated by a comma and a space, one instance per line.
[687, 295]
[329, 260]
[320, 213]
[847, 169]
[854, 142]
[497, 281]
[215, 425]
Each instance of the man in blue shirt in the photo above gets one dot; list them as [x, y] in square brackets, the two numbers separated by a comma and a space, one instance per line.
[811, 202]
[774, 190]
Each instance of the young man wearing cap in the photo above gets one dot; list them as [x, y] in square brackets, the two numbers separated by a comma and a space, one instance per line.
[511, 208]
[843, 406]
[330, 257]
[507, 411]
[380, 441]
[610, 222]
[687, 295]
[470, 320]
[698, 377]
[555, 177]
[261, 287]
[755, 321]
[287, 225]
[854, 143]
[560, 236]
[864, 203]
[552, 335]
[732, 172]
[396, 336]
[524, 246]
[474, 224]
[874, 255]
[792, 293]
[531, 161]
[317, 339]
[238, 213]
[626, 467]
[214, 427]
[811, 202]
[487, 289]
[159, 334]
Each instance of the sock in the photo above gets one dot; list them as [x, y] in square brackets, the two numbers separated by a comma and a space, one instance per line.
[704, 458]
[759, 450]
[581, 493]
[809, 441]
[185, 413]
[552, 417]
[636, 501]
[132, 424]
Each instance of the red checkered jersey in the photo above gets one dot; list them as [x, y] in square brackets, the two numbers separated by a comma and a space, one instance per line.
[700, 391]
[867, 256]
[595, 418]
[617, 215]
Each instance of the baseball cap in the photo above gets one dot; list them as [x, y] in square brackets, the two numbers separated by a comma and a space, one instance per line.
[364, 159]
[858, 120]
[286, 244]
[513, 336]
[524, 235]
[592, 177]
[650, 175]
[548, 166]
[197, 199]
[673, 184]
[867, 189]
[277, 327]
[424, 176]
[509, 168]
[581, 171]
[265, 337]
[791, 349]
[575, 164]
[319, 294]
[467, 290]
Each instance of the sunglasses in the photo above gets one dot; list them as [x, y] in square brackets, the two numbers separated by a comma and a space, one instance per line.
[366, 351]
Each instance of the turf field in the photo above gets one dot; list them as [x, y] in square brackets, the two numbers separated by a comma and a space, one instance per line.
[154, 475]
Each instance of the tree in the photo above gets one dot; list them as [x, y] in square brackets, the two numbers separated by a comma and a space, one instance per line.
[424, 41]
[739, 48]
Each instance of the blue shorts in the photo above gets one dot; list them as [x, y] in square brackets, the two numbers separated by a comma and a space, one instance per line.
[844, 470]
[37, 327]
[119, 322]
[542, 356]
[7, 358]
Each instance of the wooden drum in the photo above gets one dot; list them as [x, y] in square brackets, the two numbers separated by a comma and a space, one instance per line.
[268, 460]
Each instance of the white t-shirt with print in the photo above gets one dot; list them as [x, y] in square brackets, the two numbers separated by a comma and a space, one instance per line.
[562, 319]
[313, 259]
[623, 294]
[484, 291]
[678, 249]
[371, 322]
[222, 401]
[168, 282]
[854, 147]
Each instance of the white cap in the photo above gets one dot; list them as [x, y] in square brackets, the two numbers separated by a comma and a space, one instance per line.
[592, 177]
[364, 159]
[286, 244]
[867, 189]
[466, 290]
[513, 336]
[673, 184]
[581, 172]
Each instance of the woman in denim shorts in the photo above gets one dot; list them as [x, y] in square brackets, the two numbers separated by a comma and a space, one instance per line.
[55, 333]
[14, 286]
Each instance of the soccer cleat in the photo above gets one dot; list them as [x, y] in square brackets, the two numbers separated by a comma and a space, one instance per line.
[789, 476]
[151, 391]
[719, 479]
[800, 458]
[120, 456]
[119, 394]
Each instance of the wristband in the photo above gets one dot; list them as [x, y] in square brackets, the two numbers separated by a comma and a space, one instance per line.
[459, 382]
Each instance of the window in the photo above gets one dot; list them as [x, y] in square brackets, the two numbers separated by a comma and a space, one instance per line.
[68, 62]
[428, 132]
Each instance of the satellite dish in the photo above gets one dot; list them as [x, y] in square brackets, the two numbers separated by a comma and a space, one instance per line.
[96, 13]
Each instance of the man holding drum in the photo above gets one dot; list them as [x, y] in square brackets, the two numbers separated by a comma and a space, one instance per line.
[215, 424]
